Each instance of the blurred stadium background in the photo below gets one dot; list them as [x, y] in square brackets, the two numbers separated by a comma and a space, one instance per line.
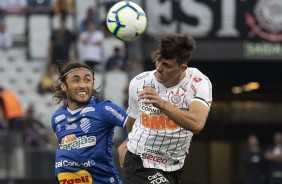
[238, 48]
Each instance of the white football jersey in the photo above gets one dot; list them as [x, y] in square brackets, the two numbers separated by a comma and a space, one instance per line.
[161, 143]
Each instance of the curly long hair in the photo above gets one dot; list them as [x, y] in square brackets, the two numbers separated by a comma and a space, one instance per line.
[179, 46]
[63, 69]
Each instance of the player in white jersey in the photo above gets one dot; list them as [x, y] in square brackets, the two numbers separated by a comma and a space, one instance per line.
[166, 107]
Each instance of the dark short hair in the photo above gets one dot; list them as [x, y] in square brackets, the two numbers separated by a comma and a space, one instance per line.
[179, 46]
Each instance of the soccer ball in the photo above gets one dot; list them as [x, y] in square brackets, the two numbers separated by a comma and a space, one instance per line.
[126, 20]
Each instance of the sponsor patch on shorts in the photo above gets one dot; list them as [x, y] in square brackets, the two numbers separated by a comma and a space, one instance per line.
[82, 177]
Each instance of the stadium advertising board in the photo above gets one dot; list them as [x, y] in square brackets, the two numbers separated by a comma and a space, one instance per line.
[224, 29]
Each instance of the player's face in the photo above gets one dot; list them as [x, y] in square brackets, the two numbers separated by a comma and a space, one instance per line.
[168, 72]
[79, 88]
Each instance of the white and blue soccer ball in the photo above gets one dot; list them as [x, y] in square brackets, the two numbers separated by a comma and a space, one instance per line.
[126, 20]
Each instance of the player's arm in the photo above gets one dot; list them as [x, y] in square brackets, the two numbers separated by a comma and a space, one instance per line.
[193, 119]
[122, 149]
[129, 124]
[270, 156]
[132, 111]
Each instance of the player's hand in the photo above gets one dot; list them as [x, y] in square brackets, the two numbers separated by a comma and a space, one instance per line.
[150, 96]
[122, 149]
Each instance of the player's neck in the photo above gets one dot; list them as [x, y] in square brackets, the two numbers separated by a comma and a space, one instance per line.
[74, 106]
[175, 81]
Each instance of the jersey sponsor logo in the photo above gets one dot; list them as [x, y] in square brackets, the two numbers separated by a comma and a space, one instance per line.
[71, 126]
[58, 127]
[87, 109]
[149, 108]
[85, 124]
[155, 158]
[72, 142]
[115, 113]
[149, 85]
[67, 163]
[141, 149]
[82, 176]
[157, 122]
[69, 138]
[142, 76]
[71, 119]
[150, 154]
[59, 118]
[157, 178]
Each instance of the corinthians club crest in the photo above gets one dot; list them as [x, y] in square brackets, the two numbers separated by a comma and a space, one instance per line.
[176, 98]
[266, 22]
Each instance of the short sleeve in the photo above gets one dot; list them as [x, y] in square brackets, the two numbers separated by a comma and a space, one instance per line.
[132, 109]
[113, 114]
[203, 88]
[53, 123]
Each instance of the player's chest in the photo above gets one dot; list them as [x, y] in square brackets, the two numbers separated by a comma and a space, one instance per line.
[81, 124]
[180, 96]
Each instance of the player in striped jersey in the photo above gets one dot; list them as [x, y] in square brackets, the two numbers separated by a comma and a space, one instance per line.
[84, 126]
[166, 107]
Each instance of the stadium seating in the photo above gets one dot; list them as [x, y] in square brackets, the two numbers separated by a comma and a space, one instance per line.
[16, 25]
[21, 74]
[39, 34]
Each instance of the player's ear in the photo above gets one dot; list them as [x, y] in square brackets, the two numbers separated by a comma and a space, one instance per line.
[183, 67]
[63, 87]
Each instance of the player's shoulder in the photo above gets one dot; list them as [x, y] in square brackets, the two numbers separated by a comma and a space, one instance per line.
[100, 104]
[196, 73]
[59, 114]
[107, 104]
[109, 109]
[59, 110]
